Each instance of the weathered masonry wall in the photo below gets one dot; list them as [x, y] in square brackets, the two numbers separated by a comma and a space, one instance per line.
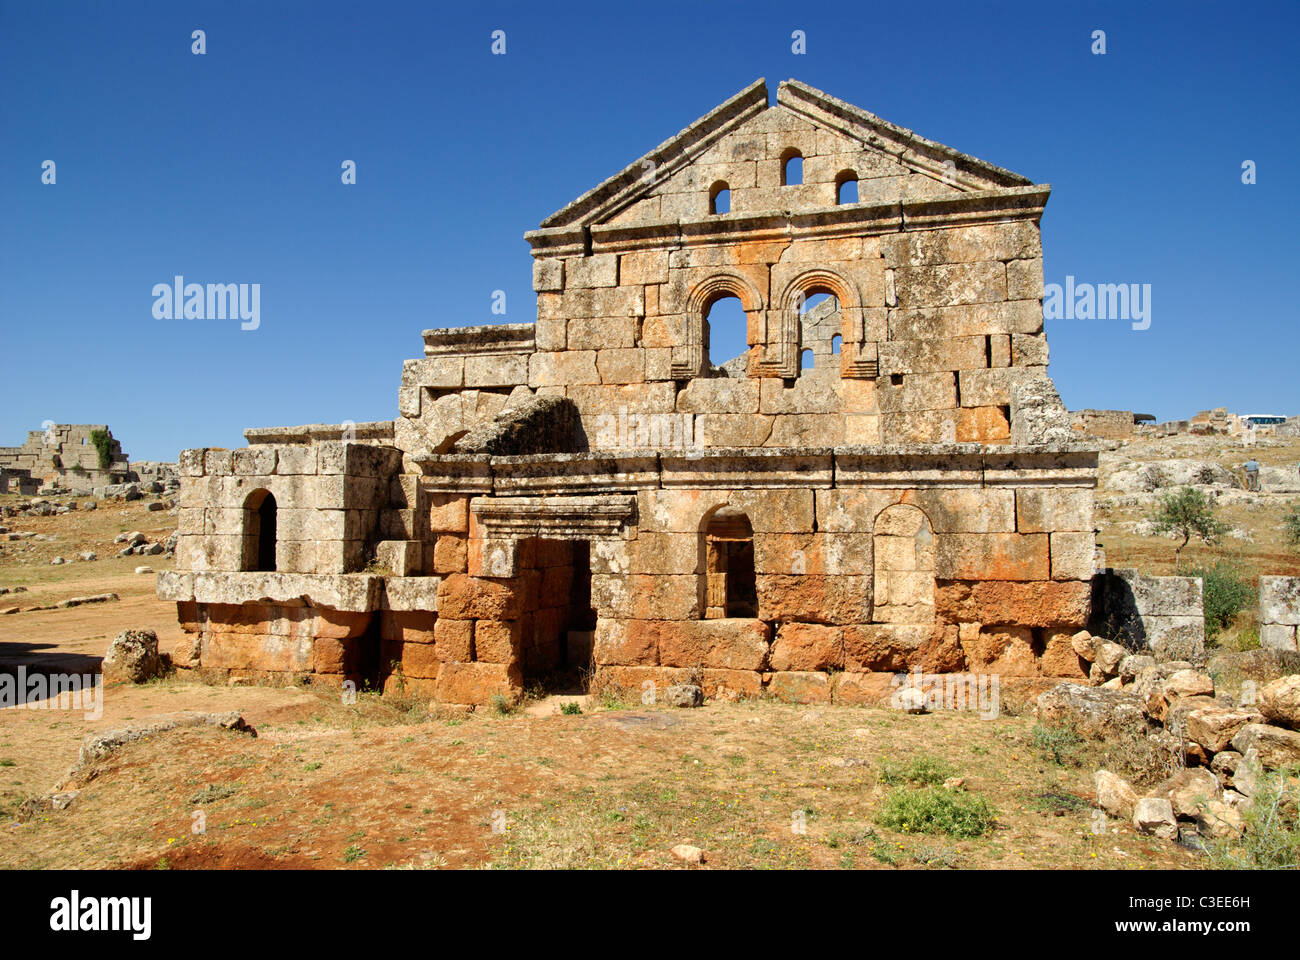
[66, 453]
[884, 479]
[1162, 614]
[1279, 612]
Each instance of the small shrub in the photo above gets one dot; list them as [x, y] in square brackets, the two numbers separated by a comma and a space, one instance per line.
[922, 769]
[1291, 526]
[1270, 839]
[1061, 742]
[1227, 592]
[500, 705]
[353, 853]
[936, 810]
[571, 709]
[213, 792]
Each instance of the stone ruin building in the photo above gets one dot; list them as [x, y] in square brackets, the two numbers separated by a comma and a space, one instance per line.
[883, 481]
[65, 455]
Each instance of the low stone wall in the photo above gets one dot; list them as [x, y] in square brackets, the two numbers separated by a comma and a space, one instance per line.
[1279, 612]
[1163, 614]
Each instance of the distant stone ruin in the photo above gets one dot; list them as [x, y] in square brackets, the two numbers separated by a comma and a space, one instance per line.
[65, 455]
[884, 480]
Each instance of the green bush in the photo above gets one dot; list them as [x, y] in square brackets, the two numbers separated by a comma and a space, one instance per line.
[1059, 741]
[1291, 526]
[1187, 513]
[936, 810]
[571, 709]
[922, 769]
[103, 446]
[1227, 593]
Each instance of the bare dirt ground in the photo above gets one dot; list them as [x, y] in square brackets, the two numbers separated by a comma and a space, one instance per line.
[382, 783]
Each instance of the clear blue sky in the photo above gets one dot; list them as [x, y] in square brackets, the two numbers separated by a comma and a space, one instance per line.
[226, 168]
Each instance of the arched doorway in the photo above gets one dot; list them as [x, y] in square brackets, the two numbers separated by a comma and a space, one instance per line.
[259, 531]
[729, 564]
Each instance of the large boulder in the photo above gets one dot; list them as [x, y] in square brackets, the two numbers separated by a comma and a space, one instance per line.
[1214, 726]
[132, 657]
[1274, 746]
[1092, 712]
[1279, 702]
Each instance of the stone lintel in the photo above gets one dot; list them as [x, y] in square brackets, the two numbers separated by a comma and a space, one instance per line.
[349, 592]
[479, 340]
[608, 517]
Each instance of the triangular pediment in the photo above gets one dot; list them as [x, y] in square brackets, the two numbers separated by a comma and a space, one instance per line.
[741, 143]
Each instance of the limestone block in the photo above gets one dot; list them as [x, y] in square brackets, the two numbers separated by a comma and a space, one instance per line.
[719, 395]
[980, 319]
[548, 274]
[560, 369]
[1073, 556]
[769, 511]
[666, 553]
[925, 356]
[807, 430]
[477, 683]
[988, 388]
[1029, 350]
[1000, 350]
[811, 393]
[1025, 279]
[1002, 241]
[1278, 636]
[792, 686]
[254, 461]
[808, 646]
[731, 644]
[992, 556]
[813, 553]
[191, 463]
[918, 391]
[403, 557]
[645, 597]
[604, 302]
[861, 429]
[454, 639]
[218, 462]
[552, 334]
[814, 599]
[969, 510]
[603, 333]
[950, 283]
[620, 366]
[295, 461]
[1047, 509]
[462, 597]
[644, 267]
[732, 430]
[439, 373]
[505, 370]
[1279, 600]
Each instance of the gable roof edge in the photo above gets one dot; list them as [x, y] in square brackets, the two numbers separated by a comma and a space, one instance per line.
[878, 132]
[731, 112]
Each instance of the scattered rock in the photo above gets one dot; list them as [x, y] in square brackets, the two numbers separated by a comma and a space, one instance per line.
[144, 569]
[87, 556]
[1092, 712]
[57, 561]
[1155, 816]
[132, 656]
[61, 801]
[1213, 727]
[911, 700]
[1115, 795]
[1279, 702]
[1188, 791]
[1274, 746]
[688, 853]
[684, 695]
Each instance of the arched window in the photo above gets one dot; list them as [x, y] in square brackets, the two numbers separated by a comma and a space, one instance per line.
[725, 331]
[791, 168]
[259, 532]
[729, 565]
[846, 187]
[806, 360]
[720, 198]
[836, 342]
